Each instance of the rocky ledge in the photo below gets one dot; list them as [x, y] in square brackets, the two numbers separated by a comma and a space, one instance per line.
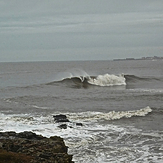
[27, 147]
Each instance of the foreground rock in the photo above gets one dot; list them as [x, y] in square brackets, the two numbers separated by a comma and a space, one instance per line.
[27, 147]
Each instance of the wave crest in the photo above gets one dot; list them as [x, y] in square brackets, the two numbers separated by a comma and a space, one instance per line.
[124, 114]
[83, 79]
[108, 80]
[112, 115]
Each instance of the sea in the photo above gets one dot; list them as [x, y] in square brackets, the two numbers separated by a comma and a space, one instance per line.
[118, 104]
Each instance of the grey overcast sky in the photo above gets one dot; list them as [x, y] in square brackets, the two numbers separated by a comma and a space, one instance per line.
[52, 30]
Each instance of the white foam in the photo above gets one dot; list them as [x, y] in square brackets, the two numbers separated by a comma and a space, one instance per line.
[39, 107]
[46, 126]
[97, 142]
[108, 80]
[112, 115]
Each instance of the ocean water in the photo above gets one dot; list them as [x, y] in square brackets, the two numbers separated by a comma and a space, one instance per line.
[119, 103]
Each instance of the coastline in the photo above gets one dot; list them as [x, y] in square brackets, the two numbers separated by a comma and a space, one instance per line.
[143, 58]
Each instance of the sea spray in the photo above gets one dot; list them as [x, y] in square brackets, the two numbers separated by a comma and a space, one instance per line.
[108, 80]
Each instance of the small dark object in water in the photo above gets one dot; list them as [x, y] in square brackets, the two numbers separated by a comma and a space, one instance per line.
[60, 118]
[63, 126]
[79, 124]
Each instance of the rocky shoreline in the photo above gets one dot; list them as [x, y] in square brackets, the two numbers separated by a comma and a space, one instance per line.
[27, 147]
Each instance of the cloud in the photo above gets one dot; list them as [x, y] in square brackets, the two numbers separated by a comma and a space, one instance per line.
[89, 27]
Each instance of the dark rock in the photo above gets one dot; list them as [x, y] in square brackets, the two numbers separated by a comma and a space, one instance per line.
[45, 155]
[28, 147]
[63, 118]
[29, 135]
[79, 124]
[63, 126]
[11, 157]
[60, 118]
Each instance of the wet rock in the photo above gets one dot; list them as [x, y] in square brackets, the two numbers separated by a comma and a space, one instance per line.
[63, 126]
[29, 135]
[60, 118]
[79, 124]
[63, 118]
[11, 157]
[28, 147]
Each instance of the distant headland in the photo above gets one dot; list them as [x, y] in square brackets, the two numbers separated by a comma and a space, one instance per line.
[143, 58]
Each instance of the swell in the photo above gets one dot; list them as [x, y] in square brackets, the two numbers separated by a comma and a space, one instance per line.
[72, 82]
[158, 111]
[133, 78]
[106, 80]
[100, 80]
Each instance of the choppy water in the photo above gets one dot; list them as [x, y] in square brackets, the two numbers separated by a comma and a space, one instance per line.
[119, 103]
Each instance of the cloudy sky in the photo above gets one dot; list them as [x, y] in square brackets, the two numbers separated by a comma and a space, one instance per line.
[52, 30]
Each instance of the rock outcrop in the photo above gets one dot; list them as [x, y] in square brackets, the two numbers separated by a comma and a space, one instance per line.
[27, 147]
[61, 118]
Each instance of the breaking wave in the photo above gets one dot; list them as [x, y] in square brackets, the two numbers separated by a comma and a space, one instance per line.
[23, 122]
[100, 80]
[83, 79]
[80, 77]
[112, 115]
[108, 80]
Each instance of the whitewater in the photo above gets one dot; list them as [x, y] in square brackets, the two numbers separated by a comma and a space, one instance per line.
[118, 103]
